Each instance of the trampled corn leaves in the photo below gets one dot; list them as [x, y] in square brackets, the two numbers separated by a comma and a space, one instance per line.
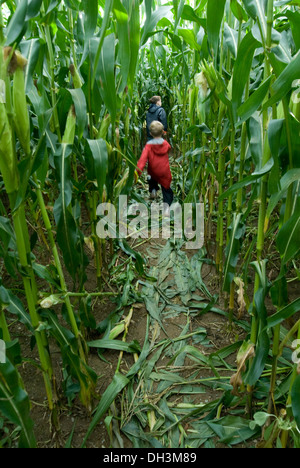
[232, 430]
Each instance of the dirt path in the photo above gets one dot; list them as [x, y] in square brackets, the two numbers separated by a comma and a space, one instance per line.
[180, 328]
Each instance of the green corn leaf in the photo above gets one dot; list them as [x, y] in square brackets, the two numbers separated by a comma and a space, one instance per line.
[288, 237]
[294, 19]
[100, 157]
[79, 101]
[193, 352]
[254, 101]
[107, 11]
[289, 178]
[259, 360]
[8, 163]
[133, 8]
[69, 350]
[178, 13]
[242, 69]
[232, 430]
[295, 395]
[238, 10]
[86, 313]
[10, 302]
[284, 313]
[255, 9]
[283, 84]
[215, 13]
[118, 345]
[231, 39]
[30, 49]
[17, 25]
[274, 137]
[118, 383]
[143, 355]
[68, 235]
[8, 245]
[107, 75]
[90, 8]
[33, 8]
[140, 262]
[189, 37]
[124, 51]
[15, 404]
[152, 20]
[248, 180]
[237, 230]
[189, 14]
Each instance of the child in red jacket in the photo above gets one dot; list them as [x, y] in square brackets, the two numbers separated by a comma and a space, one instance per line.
[156, 153]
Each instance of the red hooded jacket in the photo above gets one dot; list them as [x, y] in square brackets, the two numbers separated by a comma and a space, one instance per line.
[156, 153]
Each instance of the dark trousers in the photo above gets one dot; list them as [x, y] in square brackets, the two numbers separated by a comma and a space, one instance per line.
[168, 195]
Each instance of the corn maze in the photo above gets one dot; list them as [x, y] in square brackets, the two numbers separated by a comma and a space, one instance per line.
[138, 341]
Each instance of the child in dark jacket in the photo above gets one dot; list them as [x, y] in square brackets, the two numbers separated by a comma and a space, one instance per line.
[156, 154]
[156, 112]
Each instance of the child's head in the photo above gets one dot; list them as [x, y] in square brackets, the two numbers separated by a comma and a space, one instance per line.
[155, 100]
[156, 129]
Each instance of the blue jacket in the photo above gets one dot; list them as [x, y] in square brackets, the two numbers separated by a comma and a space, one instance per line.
[156, 113]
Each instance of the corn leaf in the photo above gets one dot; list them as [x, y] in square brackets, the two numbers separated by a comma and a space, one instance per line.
[15, 404]
[288, 237]
[124, 52]
[79, 101]
[284, 313]
[119, 345]
[17, 25]
[295, 394]
[68, 236]
[294, 19]
[30, 49]
[237, 230]
[105, 22]
[152, 20]
[283, 84]
[90, 8]
[100, 158]
[255, 9]
[69, 350]
[242, 69]
[231, 39]
[10, 302]
[118, 383]
[107, 75]
[259, 360]
[215, 12]
[33, 8]
[289, 178]
[232, 430]
[253, 102]
[132, 7]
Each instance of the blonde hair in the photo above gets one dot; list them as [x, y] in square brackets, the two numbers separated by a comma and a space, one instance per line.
[156, 128]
